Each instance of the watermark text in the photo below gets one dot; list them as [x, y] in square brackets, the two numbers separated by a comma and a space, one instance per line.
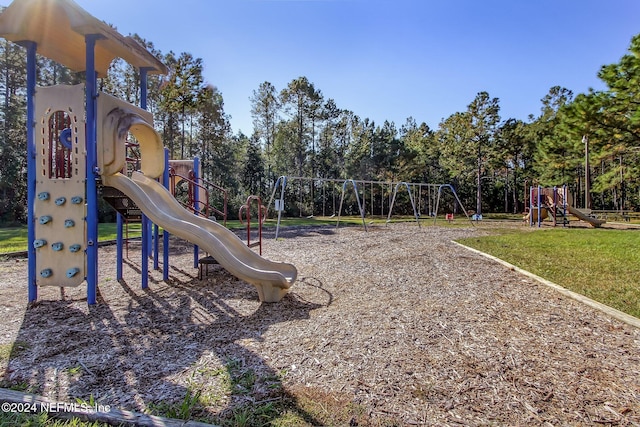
[53, 407]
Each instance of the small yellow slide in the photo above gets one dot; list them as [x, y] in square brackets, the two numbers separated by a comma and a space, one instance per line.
[543, 215]
[271, 279]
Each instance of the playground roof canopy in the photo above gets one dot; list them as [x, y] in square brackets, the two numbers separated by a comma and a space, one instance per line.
[59, 28]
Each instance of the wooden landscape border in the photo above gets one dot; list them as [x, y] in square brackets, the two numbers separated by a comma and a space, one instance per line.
[616, 314]
[67, 410]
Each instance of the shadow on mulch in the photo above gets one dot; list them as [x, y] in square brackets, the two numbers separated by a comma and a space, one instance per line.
[137, 348]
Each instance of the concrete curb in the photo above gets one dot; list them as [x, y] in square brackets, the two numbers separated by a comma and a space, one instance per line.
[616, 314]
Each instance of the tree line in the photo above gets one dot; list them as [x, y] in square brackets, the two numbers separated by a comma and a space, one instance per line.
[299, 131]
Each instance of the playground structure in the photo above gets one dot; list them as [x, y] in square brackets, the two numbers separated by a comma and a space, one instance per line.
[76, 143]
[554, 203]
[421, 195]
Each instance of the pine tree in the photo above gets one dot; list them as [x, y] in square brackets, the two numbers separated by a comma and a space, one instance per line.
[13, 149]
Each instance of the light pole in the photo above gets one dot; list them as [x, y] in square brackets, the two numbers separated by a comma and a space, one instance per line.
[587, 199]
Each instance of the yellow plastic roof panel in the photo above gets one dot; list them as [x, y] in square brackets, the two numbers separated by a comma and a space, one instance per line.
[59, 28]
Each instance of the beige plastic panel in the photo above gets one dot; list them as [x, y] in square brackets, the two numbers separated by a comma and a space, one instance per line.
[115, 119]
[182, 168]
[58, 28]
[48, 101]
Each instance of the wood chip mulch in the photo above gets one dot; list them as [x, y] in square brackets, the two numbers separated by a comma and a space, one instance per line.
[404, 323]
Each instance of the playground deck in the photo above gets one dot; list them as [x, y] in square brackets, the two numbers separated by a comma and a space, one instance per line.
[396, 325]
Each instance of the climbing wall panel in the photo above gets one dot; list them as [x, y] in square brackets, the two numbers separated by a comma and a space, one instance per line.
[60, 202]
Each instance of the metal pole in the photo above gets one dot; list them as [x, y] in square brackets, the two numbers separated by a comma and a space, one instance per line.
[165, 233]
[340, 206]
[395, 191]
[196, 175]
[31, 165]
[564, 205]
[587, 204]
[360, 207]
[539, 198]
[459, 202]
[555, 205]
[531, 206]
[119, 243]
[143, 87]
[145, 251]
[435, 212]
[393, 201]
[91, 169]
[151, 232]
[282, 181]
[146, 224]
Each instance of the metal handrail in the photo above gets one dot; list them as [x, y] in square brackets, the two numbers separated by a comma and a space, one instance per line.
[262, 211]
[193, 204]
[207, 185]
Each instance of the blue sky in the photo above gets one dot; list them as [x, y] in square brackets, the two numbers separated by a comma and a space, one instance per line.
[388, 59]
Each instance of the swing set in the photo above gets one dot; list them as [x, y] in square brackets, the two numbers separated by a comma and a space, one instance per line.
[421, 196]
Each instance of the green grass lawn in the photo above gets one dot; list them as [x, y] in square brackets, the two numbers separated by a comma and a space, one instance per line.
[602, 264]
[14, 239]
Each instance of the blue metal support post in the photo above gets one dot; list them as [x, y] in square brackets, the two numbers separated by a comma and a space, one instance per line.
[539, 207]
[165, 233]
[92, 171]
[119, 243]
[31, 165]
[146, 224]
[196, 178]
